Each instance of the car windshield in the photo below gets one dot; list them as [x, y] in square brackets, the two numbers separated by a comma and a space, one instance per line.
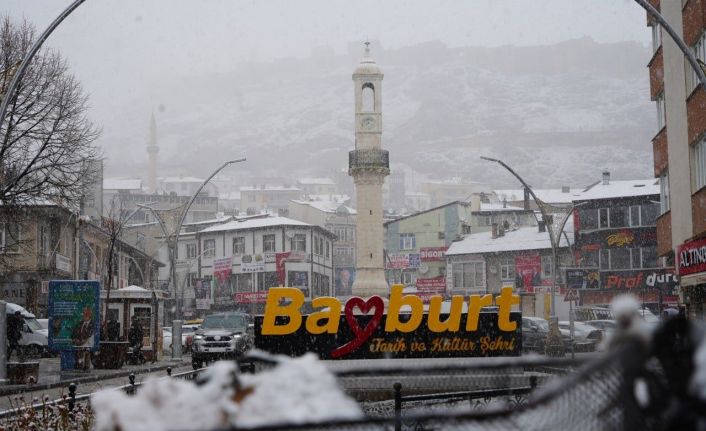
[32, 323]
[228, 321]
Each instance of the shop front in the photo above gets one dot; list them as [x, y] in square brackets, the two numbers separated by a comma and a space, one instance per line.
[691, 267]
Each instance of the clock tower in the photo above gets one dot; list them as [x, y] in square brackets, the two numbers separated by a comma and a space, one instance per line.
[369, 164]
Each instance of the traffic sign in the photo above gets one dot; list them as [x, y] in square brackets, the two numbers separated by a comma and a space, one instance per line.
[571, 295]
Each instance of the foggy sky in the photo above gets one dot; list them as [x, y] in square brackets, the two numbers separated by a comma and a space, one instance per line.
[119, 49]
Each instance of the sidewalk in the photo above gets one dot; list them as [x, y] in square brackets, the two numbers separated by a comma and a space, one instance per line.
[50, 375]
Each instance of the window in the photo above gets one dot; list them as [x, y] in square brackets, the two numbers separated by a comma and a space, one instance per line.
[547, 267]
[664, 193]
[649, 212]
[603, 217]
[209, 247]
[340, 233]
[656, 37]
[507, 269]
[368, 98]
[649, 257]
[43, 241]
[409, 278]
[268, 243]
[190, 251]
[328, 250]
[408, 241]
[299, 242]
[140, 241]
[10, 238]
[265, 280]
[469, 275]
[636, 258]
[588, 218]
[590, 259]
[699, 154]
[699, 49]
[243, 282]
[620, 258]
[661, 113]
[239, 245]
[635, 215]
[618, 216]
[321, 245]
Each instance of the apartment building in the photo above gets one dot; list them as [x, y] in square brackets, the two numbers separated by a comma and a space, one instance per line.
[679, 147]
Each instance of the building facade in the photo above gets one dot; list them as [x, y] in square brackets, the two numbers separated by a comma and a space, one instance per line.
[616, 244]
[241, 260]
[679, 146]
[267, 198]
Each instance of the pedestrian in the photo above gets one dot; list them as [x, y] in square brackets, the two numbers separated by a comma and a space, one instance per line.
[134, 337]
[14, 333]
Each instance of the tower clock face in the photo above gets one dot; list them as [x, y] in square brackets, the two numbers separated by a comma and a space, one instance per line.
[368, 123]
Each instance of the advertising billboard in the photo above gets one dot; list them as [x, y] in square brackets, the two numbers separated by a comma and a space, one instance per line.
[528, 272]
[74, 314]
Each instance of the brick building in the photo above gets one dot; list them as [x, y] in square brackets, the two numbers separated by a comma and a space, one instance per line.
[679, 145]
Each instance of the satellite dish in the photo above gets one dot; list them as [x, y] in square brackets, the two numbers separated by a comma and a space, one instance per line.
[290, 234]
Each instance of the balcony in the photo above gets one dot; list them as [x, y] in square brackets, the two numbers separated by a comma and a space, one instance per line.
[369, 160]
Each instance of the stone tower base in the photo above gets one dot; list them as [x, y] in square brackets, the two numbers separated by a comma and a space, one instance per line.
[369, 282]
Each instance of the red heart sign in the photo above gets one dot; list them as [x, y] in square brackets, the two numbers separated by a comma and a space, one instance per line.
[361, 335]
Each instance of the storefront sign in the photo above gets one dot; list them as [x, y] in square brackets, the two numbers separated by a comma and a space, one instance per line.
[250, 297]
[74, 314]
[603, 297]
[361, 329]
[691, 257]
[432, 283]
[663, 279]
[403, 261]
[433, 254]
[252, 263]
[222, 268]
[528, 272]
[629, 237]
[270, 257]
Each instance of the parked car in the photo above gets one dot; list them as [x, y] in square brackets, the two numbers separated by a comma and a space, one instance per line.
[534, 334]
[221, 336]
[187, 334]
[35, 339]
[586, 337]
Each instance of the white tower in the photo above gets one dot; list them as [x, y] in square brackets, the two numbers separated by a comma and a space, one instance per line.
[152, 150]
[369, 164]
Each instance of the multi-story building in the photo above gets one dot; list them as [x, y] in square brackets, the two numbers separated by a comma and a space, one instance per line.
[247, 257]
[264, 197]
[415, 245]
[520, 257]
[518, 197]
[454, 189]
[336, 217]
[185, 186]
[43, 244]
[316, 186]
[616, 243]
[679, 146]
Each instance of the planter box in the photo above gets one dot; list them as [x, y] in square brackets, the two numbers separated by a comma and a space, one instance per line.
[111, 354]
[22, 373]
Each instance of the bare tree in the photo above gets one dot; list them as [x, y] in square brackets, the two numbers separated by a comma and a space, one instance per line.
[46, 140]
[113, 225]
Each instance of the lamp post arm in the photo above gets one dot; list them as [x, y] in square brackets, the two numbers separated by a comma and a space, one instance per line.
[691, 58]
[9, 95]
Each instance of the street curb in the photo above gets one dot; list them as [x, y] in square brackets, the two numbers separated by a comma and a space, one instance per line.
[16, 389]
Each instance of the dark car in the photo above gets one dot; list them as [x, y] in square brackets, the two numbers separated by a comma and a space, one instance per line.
[534, 334]
[221, 336]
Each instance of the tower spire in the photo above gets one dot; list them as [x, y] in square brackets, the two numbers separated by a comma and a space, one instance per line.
[152, 150]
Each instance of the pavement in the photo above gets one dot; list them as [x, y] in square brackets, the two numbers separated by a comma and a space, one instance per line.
[54, 383]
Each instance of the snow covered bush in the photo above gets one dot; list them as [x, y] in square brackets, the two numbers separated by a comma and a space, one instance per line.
[297, 390]
[52, 416]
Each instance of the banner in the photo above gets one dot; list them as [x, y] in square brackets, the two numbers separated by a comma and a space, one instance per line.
[74, 314]
[691, 257]
[397, 261]
[528, 272]
[222, 269]
[663, 280]
[251, 297]
[344, 281]
[432, 284]
[433, 254]
[280, 259]
[252, 263]
[202, 292]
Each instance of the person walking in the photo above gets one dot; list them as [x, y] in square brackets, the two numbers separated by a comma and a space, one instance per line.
[14, 333]
[134, 337]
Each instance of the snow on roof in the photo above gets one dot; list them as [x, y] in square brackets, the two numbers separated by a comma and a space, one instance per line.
[498, 207]
[325, 181]
[181, 180]
[524, 238]
[122, 184]
[547, 195]
[620, 189]
[269, 188]
[325, 206]
[218, 219]
[254, 223]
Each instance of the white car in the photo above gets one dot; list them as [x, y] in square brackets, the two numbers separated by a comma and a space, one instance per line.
[187, 333]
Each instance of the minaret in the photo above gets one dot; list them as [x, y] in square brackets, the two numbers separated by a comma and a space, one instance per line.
[369, 164]
[152, 150]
